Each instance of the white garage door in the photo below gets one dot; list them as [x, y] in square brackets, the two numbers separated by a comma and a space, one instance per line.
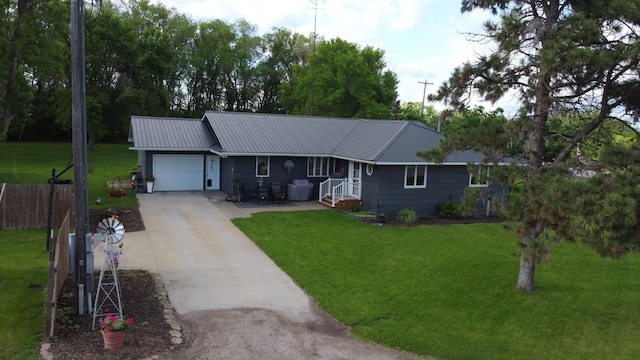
[175, 172]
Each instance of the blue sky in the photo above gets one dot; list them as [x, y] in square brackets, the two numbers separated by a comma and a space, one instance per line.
[422, 39]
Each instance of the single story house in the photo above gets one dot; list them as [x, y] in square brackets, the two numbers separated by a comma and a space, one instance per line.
[371, 161]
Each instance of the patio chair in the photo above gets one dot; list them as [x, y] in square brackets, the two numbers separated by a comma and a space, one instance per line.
[278, 192]
[299, 190]
[263, 193]
[248, 193]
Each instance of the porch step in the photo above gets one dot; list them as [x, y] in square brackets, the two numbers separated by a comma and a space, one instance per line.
[342, 204]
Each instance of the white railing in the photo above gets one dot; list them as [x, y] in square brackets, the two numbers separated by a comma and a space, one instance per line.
[339, 189]
[326, 187]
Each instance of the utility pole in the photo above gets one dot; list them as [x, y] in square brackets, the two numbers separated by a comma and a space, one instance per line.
[424, 92]
[313, 60]
[83, 274]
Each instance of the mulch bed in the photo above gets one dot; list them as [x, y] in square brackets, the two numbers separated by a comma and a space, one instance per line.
[428, 220]
[129, 216]
[147, 337]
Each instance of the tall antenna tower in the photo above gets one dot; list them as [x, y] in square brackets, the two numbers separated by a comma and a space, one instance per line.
[313, 59]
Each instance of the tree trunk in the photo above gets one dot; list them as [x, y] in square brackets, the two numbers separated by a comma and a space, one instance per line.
[9, 96]
[527, 272]
[6, 121]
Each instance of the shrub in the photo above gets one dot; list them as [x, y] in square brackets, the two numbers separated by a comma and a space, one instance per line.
[407, 216]
[451, 210]
[354, 209]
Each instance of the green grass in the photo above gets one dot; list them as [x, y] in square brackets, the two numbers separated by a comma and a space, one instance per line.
[448, 291]
[31, 163]
[23, 256]
[23, 292]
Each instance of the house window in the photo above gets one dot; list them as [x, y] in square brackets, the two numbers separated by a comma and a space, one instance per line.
[318, 166]
[415, 176]
[479, 176]
[262, 166]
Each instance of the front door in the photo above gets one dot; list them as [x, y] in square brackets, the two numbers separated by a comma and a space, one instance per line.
[355, 176]
[212, 172]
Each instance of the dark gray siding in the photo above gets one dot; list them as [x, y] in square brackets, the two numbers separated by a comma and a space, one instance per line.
[444, 183]
[244, 169]
[371, 189]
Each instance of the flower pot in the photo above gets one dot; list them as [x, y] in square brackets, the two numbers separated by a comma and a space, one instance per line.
[149, 187]
[113, 340]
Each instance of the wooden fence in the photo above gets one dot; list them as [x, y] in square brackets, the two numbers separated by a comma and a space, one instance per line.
[59, 268]
[27, 206]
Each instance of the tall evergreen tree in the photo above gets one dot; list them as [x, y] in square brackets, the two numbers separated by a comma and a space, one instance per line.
[557, 56]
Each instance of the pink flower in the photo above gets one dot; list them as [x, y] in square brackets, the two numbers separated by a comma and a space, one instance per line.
[109, 329]
[129, 321]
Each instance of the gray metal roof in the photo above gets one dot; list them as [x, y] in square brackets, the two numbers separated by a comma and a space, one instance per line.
[385, 141]
[250, 133]
[465, 157]
[176, 134]
[234, 134]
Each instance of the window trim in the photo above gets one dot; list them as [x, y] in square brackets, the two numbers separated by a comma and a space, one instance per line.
[415, 177]
[479, 168]
[258, 164]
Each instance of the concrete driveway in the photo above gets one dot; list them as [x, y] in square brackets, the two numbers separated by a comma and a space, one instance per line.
[232, 301]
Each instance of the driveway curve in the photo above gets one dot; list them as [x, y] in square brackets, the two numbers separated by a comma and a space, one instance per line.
[231, 299]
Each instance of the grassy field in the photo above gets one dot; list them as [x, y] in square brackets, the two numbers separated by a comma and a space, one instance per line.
[23, 292]
[448, 291]
[31, 163]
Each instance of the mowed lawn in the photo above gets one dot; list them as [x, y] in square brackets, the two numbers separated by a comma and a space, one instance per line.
[448, 291]
[31, 163]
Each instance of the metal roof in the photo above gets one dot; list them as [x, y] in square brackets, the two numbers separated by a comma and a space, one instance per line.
[176, 134]
[235, 134]
[465, 157]
[250, 133]
[413, 137]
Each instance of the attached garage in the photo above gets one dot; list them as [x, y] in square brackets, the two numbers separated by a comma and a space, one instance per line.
[178, 172]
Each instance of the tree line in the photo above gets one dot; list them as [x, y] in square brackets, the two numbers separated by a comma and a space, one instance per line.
[147, 59]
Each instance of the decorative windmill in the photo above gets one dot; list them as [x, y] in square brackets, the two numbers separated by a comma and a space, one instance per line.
[108, 295]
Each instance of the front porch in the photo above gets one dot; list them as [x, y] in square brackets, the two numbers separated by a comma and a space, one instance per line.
[339, 193]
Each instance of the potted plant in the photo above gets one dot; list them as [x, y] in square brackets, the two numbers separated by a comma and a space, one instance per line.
[149, 178]
[112, 328]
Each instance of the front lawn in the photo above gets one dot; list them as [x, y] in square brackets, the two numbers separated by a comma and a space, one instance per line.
[448, 291]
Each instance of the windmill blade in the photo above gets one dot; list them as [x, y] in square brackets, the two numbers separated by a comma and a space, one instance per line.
[111, 229]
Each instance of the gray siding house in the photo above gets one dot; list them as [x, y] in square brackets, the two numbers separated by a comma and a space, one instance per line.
[371, 161]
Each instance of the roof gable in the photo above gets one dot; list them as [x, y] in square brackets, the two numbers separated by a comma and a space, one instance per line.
[385, 141]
